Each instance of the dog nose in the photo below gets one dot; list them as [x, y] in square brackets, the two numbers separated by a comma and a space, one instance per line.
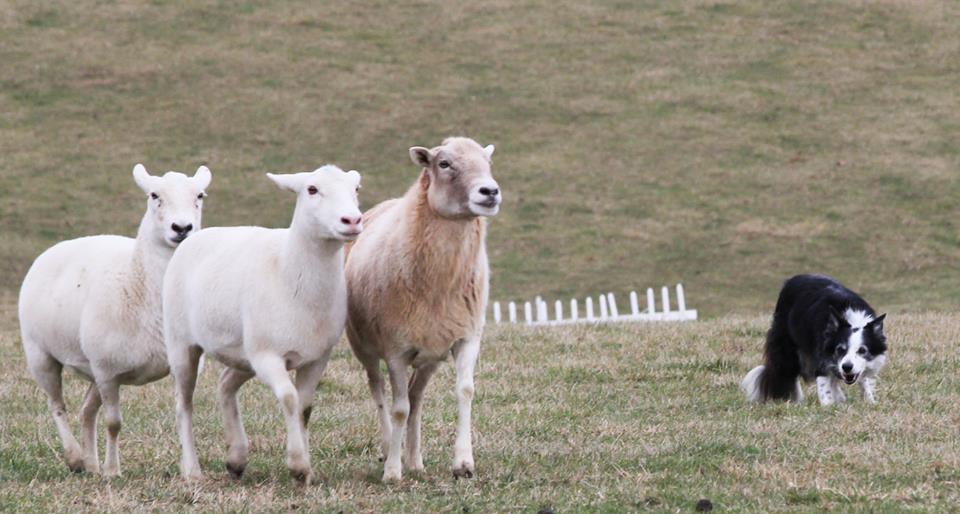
[182, 229]
[489, 191]
[351, 220]
[847, 367]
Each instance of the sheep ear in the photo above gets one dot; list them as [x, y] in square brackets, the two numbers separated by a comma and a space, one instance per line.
[355, 175]
[290, 182]
[143, 179]
[202, 177]
[488, 151]
[420, 156]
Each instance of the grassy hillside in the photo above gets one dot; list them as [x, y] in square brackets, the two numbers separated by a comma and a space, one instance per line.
[726, 145]
[579, 420]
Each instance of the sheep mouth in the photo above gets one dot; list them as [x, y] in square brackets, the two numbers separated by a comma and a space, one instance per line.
[176, 240]
[349, 235]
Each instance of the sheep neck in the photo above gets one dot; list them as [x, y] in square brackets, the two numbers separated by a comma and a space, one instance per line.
[311, 267]
[444, 249]
[144, 288]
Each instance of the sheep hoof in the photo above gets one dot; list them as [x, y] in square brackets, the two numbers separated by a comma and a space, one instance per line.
[303, 477]
[236, 470]
[391, 475]
[76, 466]
[464, 470]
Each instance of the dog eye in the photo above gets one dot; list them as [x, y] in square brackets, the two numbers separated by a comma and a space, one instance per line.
[862, 351]
[444, 164]
[312, 190]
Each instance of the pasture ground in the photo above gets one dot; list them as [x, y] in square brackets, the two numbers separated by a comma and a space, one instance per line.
[608, 419]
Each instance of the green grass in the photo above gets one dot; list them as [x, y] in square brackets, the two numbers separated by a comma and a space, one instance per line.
[607, 419]
[725, 145]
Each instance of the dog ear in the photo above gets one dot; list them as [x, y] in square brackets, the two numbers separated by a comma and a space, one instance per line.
[876, 325]
[833, 320]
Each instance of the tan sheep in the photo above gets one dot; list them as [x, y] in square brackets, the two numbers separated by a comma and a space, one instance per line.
[418, 280]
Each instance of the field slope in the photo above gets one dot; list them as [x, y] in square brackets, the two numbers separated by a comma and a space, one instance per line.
[723, 144]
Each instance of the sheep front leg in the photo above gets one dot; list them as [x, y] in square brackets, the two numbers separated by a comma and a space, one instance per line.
[418, 385]
[237, 444]
[272, 370]
[465, 352]
[400, 413]
[183, 366]
[88, 427]
[110, 394]
[308, 378]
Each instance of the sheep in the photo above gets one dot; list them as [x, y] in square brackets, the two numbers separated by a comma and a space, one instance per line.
[93, 305]
[262, 302]
[418, 283]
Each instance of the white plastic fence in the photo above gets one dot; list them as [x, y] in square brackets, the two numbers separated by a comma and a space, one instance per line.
[537, 312]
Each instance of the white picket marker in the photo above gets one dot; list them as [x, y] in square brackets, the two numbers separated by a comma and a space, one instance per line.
[681, 301]
[496, 312]
[665, 296]
[541, 310]
[589, 309]
[603, 307]
[634, 304]
[651, 304]
[574, 314]
[527, 313]
[558, 310]
[512, 311]
[612, 301]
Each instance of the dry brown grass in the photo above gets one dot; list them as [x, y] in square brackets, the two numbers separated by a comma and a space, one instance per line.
[610, 418]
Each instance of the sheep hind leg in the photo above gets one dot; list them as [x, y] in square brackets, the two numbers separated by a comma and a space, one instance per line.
[375, 381]
[238, 446]
[272, 370]
[88, 422]
[49, 376]
[184, 361]
[399, 414]
[418, 385]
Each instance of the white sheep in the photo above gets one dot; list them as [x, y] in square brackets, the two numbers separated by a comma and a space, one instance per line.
[418, 282]
[93, 305]
[262, 302]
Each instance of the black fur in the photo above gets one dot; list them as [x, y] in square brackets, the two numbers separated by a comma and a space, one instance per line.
[808, 325]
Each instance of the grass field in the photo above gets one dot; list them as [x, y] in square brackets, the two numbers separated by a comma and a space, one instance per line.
[614, 418]
[723, 144]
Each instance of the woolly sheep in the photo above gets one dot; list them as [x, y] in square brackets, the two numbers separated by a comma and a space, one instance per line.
[262, 302]
[418, 282]
[93, 305]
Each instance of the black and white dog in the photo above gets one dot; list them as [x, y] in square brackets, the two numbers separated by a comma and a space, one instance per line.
[821, 330]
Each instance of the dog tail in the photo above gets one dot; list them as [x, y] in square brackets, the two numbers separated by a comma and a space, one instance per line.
[777, 378]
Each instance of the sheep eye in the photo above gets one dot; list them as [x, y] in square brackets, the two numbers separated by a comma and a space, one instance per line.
[444, 164]
[201, 196]
[312, 190]
[154, 196]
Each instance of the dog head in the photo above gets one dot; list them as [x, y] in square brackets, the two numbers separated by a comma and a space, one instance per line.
[855, 344]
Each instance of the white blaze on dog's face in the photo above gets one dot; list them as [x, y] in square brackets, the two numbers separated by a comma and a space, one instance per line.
[327, 203]
[859, 345]
[458, 179]
[174, 202]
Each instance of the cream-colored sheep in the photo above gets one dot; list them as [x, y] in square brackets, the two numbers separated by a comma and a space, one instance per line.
[417, 280]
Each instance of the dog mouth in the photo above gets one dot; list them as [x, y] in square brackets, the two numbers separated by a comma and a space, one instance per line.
[849, 378]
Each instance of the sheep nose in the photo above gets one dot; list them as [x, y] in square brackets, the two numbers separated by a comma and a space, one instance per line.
[489, 191]
[847, 367]
[351, 220]
[182, 229]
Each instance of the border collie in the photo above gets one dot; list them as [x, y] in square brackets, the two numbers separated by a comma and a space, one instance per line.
[821, 330]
